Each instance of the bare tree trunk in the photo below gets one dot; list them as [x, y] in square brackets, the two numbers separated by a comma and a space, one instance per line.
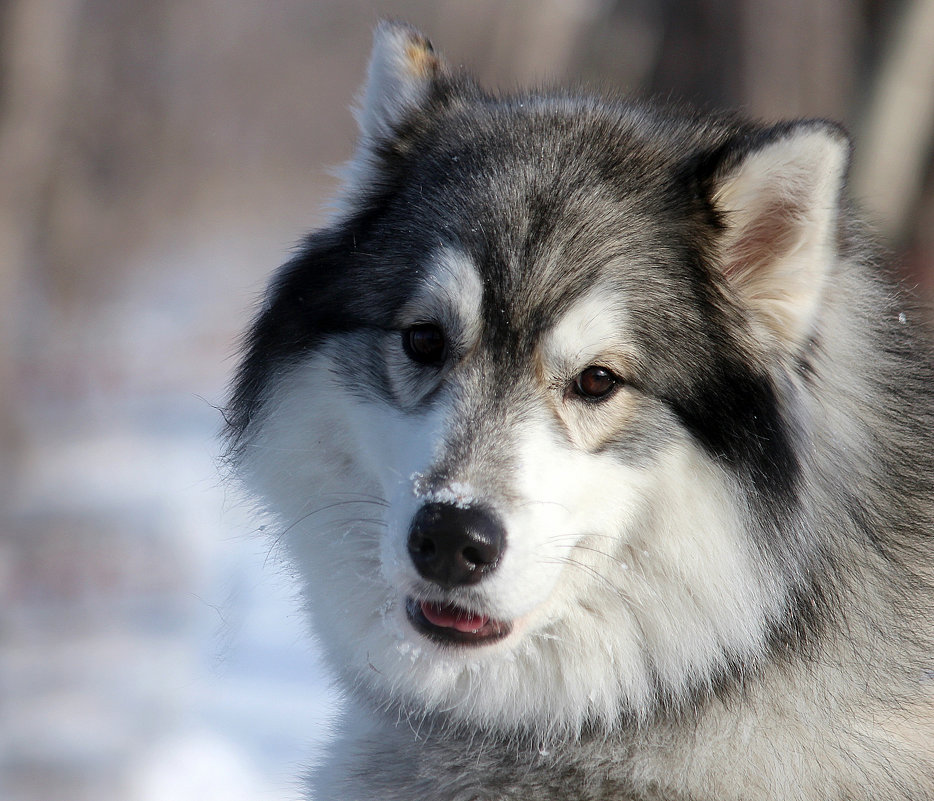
[528, 40]
[35, 69]
[898, 131]
[798, 57]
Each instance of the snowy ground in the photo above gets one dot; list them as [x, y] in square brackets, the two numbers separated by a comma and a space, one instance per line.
[150, 650]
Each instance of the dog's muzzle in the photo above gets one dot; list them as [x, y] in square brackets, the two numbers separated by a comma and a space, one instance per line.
[455, 546]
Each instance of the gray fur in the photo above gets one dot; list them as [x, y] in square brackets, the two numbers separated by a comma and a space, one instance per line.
[803, 393]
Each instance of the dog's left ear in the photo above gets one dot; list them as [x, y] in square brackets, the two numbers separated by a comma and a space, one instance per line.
[778, 197]
[403, 68]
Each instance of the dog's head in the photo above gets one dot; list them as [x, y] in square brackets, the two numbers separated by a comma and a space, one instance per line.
[528, 411]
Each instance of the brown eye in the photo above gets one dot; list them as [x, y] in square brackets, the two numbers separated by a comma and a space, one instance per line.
[595, 383]
[424, 344]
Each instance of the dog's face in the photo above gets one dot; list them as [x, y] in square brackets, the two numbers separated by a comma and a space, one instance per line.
[522, 412]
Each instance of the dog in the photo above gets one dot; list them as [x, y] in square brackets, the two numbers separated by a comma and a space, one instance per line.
[600, 437]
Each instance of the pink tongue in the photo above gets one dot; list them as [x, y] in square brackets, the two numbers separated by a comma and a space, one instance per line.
[450, 617]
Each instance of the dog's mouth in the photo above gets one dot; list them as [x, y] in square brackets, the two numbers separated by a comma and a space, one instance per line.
[453, 625]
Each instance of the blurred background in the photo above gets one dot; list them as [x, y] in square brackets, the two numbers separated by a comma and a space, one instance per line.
[158, 158]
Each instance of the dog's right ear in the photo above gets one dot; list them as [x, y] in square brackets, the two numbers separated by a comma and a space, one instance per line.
[403, 74]
[403, 68]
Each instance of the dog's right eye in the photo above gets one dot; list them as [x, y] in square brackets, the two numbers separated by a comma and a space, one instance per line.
[424, 344]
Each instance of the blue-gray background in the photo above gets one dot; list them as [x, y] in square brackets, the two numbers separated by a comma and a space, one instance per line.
[157, 159]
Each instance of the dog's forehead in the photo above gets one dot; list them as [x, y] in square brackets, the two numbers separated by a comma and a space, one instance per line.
[518, 169]
[541, 212]
[569, 324]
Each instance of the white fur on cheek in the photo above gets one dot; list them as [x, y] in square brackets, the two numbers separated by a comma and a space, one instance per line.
[699, 597]
[631, 577]
[306, 464]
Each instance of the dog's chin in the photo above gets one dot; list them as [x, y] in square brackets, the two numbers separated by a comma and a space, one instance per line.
[449, 624]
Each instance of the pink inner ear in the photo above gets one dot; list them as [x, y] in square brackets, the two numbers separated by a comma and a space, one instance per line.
[770, 235]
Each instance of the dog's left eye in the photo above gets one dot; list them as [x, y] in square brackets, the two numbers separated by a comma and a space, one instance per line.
[424, 344]
[595, 383]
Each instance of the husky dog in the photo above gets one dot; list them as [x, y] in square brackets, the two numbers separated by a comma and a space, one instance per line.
[602, 444]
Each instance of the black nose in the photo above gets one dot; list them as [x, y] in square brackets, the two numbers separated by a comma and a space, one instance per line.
[453, 546]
